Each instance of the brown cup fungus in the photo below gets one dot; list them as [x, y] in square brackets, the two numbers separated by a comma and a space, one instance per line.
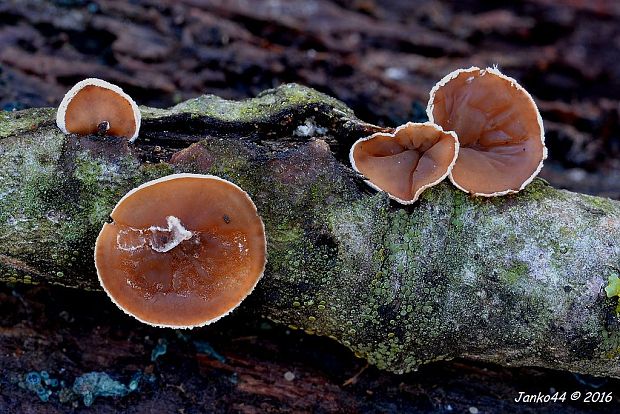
[182, 251]
[94, 106]
[498, 126]
[406, 162]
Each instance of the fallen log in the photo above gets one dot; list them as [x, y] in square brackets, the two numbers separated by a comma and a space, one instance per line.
[516, 280]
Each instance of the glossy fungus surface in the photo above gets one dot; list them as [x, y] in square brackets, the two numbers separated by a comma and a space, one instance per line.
[182, 251]
[498, 126]
[94, 106]
[404, 163]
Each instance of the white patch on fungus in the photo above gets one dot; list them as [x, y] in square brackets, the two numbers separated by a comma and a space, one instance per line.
[167, 237]
[163, 240]
[130, 240]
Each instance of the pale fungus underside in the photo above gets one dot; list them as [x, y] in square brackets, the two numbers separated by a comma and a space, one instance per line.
[498, 126]
[515, 280]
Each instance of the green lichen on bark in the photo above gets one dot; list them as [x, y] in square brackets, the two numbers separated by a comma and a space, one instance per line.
[14, 122]
[516, 280]
[457, 276]
[613, 286]
[260, 109]
[56, 192]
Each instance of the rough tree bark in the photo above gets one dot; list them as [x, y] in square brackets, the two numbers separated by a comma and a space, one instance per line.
[516, 280]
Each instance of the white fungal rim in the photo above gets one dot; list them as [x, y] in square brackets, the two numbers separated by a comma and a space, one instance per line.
[416, 195]
[62, 108]
[452, 75]
[168, 178]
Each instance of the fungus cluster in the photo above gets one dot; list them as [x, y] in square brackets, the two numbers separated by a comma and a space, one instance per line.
[94, 106]
[500, 149]
[182, 251]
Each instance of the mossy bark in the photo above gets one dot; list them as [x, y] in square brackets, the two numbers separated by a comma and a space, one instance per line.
[517, 280]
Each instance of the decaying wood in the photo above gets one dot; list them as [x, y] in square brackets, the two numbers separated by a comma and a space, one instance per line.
[516, 280]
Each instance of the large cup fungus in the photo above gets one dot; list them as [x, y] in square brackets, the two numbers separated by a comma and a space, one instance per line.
[94, 106]
[498, 126]
[404, 163]
[182, 251]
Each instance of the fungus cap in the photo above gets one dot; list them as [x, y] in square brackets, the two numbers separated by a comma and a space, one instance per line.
[498, 126]
[95, 106]
[182, 251]
[404, 163]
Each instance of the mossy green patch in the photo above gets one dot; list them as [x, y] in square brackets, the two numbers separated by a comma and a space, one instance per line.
[515, 273]
[230, 162]
[13, 123]
[613, 286]
[537, 190]
[613, 289]
[602, 204]
[155, 171]
[250, 110]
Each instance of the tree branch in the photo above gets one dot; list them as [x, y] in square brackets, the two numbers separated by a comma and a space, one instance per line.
[516, 280]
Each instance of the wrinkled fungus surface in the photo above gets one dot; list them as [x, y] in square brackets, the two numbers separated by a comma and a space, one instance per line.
[182, 251]
[498, 126]
[403, 164]
[94, 106]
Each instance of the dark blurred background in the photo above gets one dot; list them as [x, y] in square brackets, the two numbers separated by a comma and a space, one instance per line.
[380, 57]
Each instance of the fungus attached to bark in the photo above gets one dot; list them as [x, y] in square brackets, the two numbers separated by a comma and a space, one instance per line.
[498, 126]
[406, 162]
[94, 106]
[182, 251]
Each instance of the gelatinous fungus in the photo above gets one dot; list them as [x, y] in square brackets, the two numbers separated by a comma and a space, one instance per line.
[94, 106]
[404, 163]
[498, 126]
[183, 250]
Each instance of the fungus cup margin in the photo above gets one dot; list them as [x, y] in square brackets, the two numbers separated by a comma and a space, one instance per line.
[100, 83]
[393, 135]
[513, 83]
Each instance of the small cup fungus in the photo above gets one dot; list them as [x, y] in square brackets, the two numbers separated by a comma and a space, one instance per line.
[182, 251]
[94, 106]
[498, 126]
[406, 162]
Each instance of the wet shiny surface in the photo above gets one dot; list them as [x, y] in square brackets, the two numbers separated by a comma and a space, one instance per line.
[497, 127]
[93, 105]
[403, 164]
[182, 252]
